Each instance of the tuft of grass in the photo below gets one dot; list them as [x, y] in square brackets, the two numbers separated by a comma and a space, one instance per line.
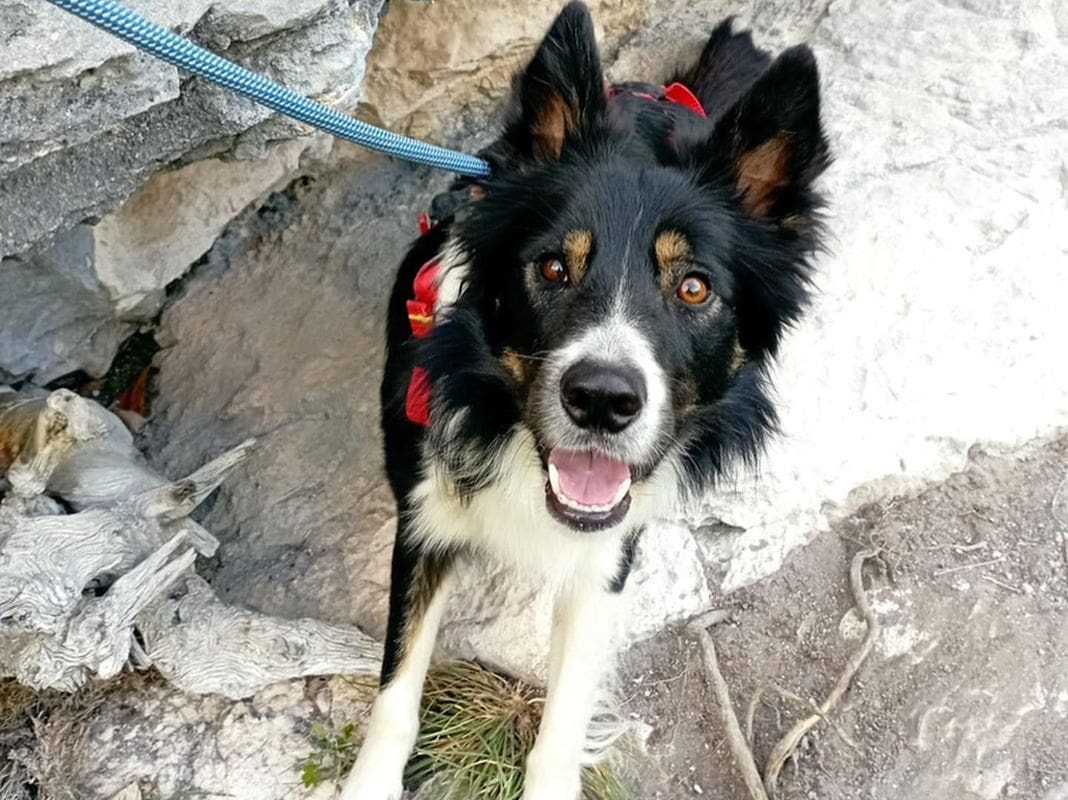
[476, 730]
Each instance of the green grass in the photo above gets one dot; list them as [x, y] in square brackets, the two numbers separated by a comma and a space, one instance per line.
[331, 757]
[475, 732]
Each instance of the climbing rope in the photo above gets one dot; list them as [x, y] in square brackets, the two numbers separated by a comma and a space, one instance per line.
[161, 43]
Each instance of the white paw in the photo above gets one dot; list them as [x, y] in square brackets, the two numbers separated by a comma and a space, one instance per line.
[558, 789]
[391, 733]
[369, 781]
[551, 779]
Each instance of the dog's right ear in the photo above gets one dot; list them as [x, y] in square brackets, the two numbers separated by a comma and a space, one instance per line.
[772, 141]
[561, 92]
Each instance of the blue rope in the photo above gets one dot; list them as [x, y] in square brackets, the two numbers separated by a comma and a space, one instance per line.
[161, 43]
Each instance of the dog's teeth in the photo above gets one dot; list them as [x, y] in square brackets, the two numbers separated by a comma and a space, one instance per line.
[623, 489]
[573, 504]
[554, 480]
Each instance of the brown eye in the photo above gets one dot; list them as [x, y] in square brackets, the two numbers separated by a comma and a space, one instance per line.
[553, 270]
[694, 290]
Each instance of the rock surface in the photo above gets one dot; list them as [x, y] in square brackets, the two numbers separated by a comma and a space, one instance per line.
[87, 122]
[936, 325]
[71, 304]
[86, 118]
[434, 61]
[167, 744]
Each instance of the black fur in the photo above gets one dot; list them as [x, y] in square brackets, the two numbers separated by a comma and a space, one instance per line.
[738, 186]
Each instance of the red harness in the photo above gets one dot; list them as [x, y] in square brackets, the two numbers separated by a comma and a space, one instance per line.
[425, 286]
[674, 93]
[421, 318]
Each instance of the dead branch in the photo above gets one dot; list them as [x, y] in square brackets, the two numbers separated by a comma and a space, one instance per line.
[1002, 584]
[75, 587]
[950, 570]
[202, 645]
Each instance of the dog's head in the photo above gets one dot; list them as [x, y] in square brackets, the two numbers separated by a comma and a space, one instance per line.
[627, 275]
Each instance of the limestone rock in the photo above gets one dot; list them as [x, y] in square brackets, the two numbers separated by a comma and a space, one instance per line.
[937, 321]
[175, 218]
[71, 305]
[170, 744]
[675, 31]
[56, 314]
[85, 119]
[297, 318]
[433, 61]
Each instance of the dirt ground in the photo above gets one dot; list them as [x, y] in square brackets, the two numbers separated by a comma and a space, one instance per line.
[965, 696]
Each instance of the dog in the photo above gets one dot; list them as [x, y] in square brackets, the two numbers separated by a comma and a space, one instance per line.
[583, 343]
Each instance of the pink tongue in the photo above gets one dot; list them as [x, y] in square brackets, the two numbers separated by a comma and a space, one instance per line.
[588, 478]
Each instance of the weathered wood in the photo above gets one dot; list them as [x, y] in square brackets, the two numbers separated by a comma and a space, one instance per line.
[203, 645]
[75, 587]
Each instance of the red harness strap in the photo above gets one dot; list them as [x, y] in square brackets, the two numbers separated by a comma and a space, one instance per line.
[679, 94]
[676, 93]
[421, 318]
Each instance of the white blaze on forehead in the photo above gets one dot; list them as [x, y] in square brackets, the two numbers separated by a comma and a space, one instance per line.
[616, 340]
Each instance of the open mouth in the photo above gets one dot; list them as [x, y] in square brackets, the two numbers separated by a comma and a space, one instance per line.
[587, 490]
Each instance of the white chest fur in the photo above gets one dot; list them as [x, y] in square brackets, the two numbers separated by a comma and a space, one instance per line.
[508, 521]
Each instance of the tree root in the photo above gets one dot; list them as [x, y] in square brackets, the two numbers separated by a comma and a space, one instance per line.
[788, 743]
[743, 756]
[742, 743]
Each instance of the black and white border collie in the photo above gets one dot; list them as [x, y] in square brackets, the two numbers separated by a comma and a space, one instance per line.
[605, 308]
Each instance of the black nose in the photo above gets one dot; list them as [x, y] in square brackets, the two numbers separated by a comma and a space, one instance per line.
[601, 396]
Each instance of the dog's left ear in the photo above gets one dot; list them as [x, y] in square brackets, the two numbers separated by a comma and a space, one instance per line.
[771, 142]
[561, 92]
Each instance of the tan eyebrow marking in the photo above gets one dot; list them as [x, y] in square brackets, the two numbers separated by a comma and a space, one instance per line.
[672, 249]
[577, 248]
[514, 363]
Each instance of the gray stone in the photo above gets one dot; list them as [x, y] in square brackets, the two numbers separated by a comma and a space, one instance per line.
[296, 318]
[72, 304]
[433, 61]
[170, 745]
[176, 217]
[86, 119]
[57, 316]
[938, 320]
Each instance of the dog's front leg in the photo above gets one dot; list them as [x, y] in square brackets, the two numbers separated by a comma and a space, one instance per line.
[418, 593]
[582, 652]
